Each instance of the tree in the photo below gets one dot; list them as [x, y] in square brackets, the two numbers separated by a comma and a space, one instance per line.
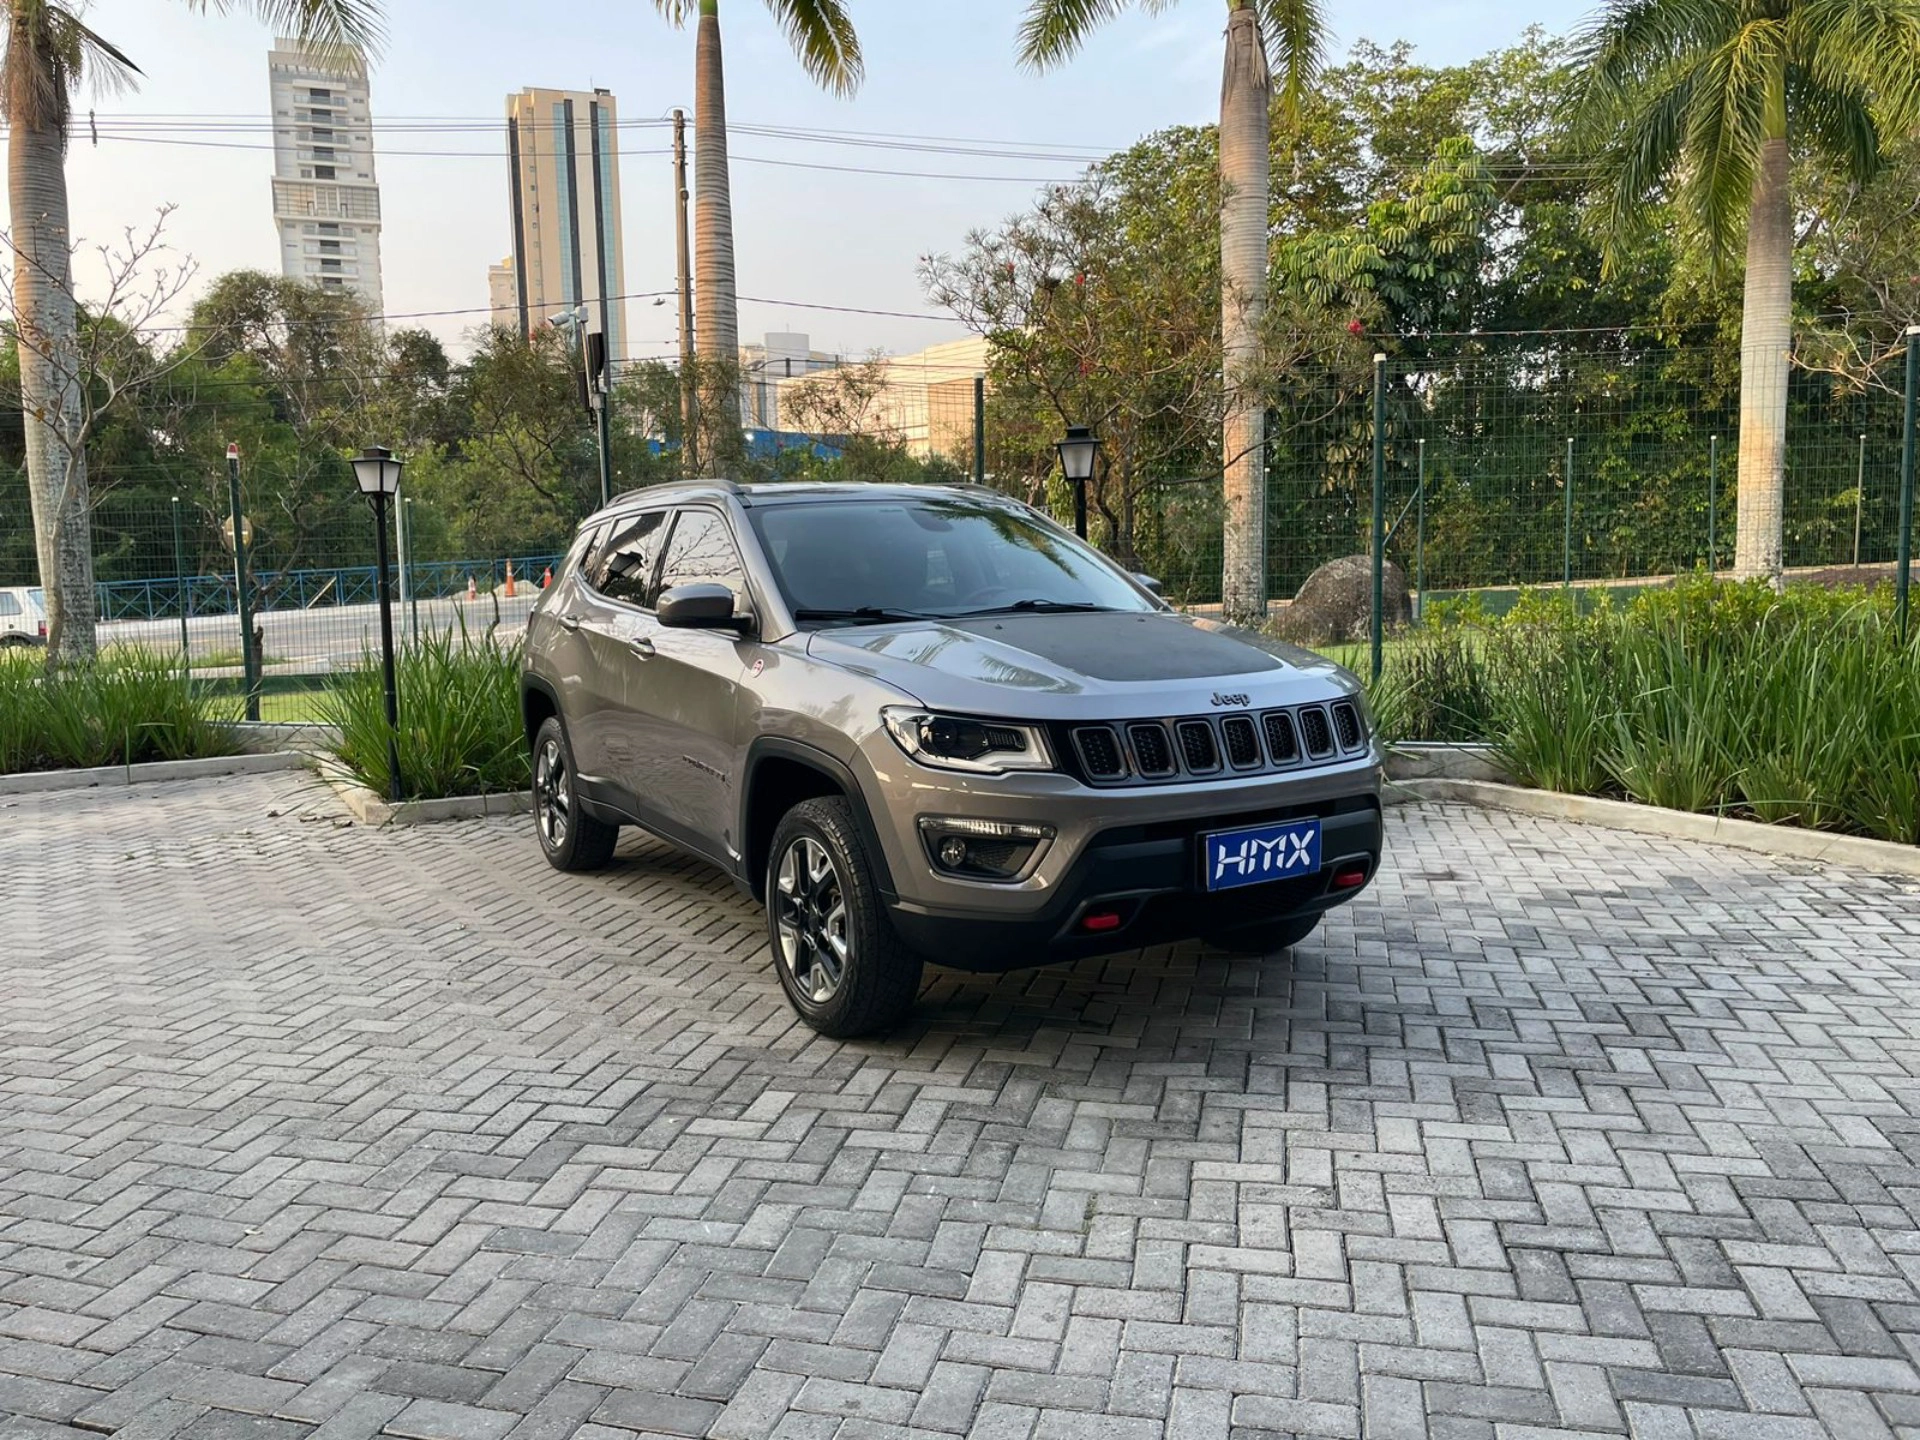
[50, 51]
[822, 37]
[1703, 101]
[1052, 31]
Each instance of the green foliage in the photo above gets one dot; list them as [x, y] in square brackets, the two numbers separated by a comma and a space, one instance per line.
[1801, 708]
[127, 709]
[460, 725]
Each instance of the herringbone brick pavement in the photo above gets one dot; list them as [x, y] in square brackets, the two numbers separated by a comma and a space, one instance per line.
[316, 1131]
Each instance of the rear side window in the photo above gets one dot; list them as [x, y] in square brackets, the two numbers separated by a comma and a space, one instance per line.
[623, 568]
[9, 604]
[703, 553]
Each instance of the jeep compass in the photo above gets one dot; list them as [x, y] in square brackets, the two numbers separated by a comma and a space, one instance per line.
[929, 725]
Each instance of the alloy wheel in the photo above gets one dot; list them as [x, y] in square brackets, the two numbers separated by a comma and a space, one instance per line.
[810, 912]
[553, 793]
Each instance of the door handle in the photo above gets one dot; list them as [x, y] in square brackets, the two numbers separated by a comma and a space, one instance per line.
[641, 646]
[569, 622]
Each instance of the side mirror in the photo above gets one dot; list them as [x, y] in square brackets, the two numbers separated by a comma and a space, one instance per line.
[699, 607]
[1148, 581]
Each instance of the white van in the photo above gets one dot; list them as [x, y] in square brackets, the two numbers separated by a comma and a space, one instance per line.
[23, 616]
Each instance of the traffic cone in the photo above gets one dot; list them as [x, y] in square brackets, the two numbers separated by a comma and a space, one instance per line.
[509, 579]
[473, 591]
[546, 577]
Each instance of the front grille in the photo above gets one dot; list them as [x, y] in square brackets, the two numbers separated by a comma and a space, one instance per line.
[1210, 747]
[1152, 754]
[1315, 731]
[1197, 746]
[1346, 724]
[1099, 751]
[1243, 742]
[1283, 745]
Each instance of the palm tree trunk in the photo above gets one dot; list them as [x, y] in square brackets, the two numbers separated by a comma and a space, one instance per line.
[1766, 335]
[716, 305]
[1246, 97]
[49, 387]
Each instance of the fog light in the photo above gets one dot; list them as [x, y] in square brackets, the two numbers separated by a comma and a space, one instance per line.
[983, 849]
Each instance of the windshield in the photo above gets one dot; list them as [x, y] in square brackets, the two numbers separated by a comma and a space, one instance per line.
[866, 561]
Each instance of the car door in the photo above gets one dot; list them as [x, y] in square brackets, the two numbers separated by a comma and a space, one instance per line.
[612, 616]
[692, 703]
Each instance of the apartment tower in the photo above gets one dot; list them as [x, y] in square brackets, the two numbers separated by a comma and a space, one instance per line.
[326, 201]
[563, 153]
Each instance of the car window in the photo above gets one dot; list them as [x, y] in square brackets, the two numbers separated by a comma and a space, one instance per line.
[583, 546]
[623, 567]
[702, 553]
[9, 604]
[943, 555]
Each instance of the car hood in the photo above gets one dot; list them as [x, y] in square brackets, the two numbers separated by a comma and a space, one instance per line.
[1081, 666]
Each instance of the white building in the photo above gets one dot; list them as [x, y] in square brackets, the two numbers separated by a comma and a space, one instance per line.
[763, 367]
[926, 400]
[326, 201]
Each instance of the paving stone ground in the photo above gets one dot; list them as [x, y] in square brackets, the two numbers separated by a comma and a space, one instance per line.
[317, 1131]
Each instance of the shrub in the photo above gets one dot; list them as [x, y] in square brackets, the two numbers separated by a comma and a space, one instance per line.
[127, 709]
[460, 725]
[1801, 708]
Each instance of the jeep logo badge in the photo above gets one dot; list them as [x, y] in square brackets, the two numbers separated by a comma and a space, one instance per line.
[1220, 699]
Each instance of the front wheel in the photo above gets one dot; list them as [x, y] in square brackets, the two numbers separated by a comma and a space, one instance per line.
[1266, 937]
[842, 966]
[570, 838]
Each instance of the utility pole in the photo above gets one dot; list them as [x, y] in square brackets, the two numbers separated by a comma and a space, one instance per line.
[689, 399]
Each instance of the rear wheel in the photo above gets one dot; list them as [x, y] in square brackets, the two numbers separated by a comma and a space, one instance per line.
[570, 838]
[1265, 937]
[843, 968]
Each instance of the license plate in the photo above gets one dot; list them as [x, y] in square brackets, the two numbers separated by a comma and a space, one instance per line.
[1261, 853]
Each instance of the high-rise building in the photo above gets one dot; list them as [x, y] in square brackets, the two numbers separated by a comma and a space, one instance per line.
[326, 201]
[503, 295]
[563, 154]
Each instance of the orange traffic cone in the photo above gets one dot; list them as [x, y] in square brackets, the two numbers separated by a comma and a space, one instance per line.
[509, 579]
[546, 577]
[473, 591]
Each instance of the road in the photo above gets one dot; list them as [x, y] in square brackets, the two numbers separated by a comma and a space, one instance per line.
[322, 639]
[1556, 1131]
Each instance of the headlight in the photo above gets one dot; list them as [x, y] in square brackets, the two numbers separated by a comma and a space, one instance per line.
[956, 742]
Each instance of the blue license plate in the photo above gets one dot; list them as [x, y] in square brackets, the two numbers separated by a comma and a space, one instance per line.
[1261, 853]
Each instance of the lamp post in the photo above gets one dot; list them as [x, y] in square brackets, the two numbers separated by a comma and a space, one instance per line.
[378, 471]
[574, 322]
[1077, 454]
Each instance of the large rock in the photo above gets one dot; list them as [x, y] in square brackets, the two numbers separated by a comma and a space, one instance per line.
[1335, 606]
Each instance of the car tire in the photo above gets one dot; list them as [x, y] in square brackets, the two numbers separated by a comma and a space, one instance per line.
[570, 838]
[15, 642]
[1266, 937]
[843, 967]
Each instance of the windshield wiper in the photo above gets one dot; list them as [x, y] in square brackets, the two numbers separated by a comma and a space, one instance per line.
[1055, 607]
[863, 615]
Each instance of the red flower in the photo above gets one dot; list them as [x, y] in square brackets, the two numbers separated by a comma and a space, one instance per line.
[1354, 327]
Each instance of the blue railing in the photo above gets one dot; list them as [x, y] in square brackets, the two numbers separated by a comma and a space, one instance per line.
[320, 588]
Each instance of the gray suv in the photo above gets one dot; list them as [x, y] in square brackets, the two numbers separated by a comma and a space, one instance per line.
[928, 724]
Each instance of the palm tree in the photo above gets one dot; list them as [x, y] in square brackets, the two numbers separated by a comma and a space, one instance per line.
[1704, 102]
[1292, 31]
[50, 52]
[822, 37]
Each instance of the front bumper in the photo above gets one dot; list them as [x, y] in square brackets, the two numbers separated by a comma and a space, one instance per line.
[1132, 850]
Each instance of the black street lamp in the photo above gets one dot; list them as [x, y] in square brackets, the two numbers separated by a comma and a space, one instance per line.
[378, 471]
[1077, 454]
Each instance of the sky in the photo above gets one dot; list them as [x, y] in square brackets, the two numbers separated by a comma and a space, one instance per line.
[805, 238]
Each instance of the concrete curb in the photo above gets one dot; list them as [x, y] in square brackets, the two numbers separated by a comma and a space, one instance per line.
[372, 811]
[119, 776]
[265, 737]
[1436, 760]
[1782, 840]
